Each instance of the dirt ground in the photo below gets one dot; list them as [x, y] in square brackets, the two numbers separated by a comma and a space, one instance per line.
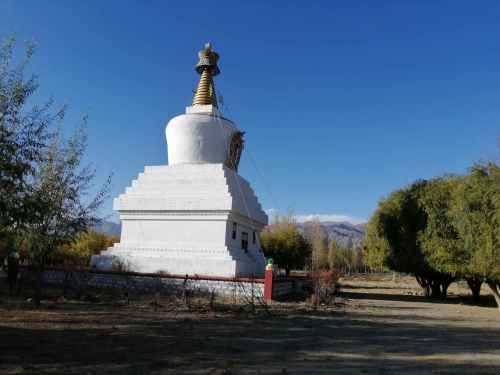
[376, 326]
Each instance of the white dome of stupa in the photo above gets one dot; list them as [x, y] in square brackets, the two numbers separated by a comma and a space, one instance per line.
[199, 137]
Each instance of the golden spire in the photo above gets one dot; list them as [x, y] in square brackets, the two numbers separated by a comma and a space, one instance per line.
[207, 67]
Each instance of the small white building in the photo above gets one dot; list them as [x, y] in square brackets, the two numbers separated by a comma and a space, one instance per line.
[196, 215]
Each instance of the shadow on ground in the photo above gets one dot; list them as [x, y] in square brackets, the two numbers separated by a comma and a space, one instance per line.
[129, 341]
[486, 301]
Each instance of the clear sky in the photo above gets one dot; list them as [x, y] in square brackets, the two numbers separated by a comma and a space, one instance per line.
[341, 102]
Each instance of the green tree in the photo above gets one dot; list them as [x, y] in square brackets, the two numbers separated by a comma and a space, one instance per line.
[44, 189]
[393, 235]
[334, 254]
[349, 256]
[317, 237]
[60, 203]
[358, 260]
[375, 245]
[441, 243]
[283, 242]
[475, 211]
[23, 136]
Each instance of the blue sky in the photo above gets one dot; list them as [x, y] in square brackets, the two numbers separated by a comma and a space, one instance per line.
[341, 102]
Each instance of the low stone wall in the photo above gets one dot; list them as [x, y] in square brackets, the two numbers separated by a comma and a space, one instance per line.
[270, 288]
[152, 283]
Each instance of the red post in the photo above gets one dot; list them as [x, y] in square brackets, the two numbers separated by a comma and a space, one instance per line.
[268, 284]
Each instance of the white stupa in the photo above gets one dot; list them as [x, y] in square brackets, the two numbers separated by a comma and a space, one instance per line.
[196, 216]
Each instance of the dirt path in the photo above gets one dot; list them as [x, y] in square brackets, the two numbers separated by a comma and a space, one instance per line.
[377, 327]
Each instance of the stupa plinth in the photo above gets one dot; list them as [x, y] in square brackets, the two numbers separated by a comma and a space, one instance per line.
[196, 215]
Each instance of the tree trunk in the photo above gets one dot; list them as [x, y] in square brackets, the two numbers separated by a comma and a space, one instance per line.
[424, 284]
[475, 287]
[287, 271]
[436, 289]
[444, 288]
[496, 292]
[445, 282]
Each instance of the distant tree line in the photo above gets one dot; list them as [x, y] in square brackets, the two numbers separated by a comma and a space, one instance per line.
[46, 199]
[327, 252]
[310, 249]
[441, 230]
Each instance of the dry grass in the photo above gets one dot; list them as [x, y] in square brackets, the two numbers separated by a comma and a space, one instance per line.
[376, 327]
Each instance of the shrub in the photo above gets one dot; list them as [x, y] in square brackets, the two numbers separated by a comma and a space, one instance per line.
[325, 283]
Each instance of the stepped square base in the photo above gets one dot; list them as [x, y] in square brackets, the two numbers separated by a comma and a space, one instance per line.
[194, 219]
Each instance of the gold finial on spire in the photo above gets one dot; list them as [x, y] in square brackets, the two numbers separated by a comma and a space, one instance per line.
[207, 68]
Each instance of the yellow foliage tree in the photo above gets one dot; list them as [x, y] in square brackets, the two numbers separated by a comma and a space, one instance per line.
[77, 254]
[283, 242]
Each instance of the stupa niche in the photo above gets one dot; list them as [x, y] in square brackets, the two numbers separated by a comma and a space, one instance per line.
[196, 215]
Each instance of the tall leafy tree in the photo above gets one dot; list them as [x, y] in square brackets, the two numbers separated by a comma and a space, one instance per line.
[45, 191]
[375, 244]
[62, 202]
[393, 235]
[476, 216]
[335, 254]
[441, 242]
[317, 236]
[23, 136]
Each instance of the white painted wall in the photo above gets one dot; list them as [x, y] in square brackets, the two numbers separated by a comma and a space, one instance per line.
[201, 137]
[174, 234]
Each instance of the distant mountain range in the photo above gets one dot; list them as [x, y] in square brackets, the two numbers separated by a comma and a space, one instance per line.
[343, 232]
